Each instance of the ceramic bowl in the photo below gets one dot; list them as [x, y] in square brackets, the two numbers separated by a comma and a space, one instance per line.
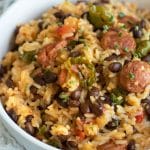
[21, 12]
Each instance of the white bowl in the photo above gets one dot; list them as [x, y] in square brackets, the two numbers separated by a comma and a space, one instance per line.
[20, 12]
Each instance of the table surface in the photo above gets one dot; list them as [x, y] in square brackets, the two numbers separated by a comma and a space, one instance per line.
[6, 141]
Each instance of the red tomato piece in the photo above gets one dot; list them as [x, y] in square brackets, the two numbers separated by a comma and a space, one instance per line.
[139, 118]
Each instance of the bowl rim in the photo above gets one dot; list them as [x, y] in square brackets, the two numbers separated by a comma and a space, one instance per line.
[20, 131]
[4, 117]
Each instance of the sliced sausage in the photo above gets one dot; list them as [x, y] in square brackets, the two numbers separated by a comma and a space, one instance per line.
[135, 76]
[48, 54]
[112, 146]
[118, 39]
[129, 21]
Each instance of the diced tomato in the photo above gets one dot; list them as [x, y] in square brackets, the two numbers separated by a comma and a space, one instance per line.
[139, 118]
[65, 31]
[80, 134]
[62, 76]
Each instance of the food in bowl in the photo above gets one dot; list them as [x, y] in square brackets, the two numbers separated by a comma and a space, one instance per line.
[79, 77]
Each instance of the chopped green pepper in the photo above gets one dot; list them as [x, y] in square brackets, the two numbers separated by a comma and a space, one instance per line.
[54, 141]
[117, 96]
[83, 60]
[143, 49]
[88, 81]
[121, 14]
[131, 75]
[105, 28]
[64, 96]
[100, 15]
[28, 57]
[42, 130]
[74, 43]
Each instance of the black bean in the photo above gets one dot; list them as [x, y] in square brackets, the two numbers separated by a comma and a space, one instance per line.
[10, 83]
[47, 134]
[107, 99]
[146, 105]
[112, 57]
[147, 109]
[40, 108]
[112, 124]
[73, 103]
[131, 145]
[101, 77]
[71, 145]
[36, 97]
[142, 24]
[14, 47]
[63, 138]
[84, 108]
[33, 89]
[82, 1]
[29, 118]
[99, 68]
[16, 32]
[3, 70]
[100, 2]
[94, 92]
[13, 115]
[75, 54]
[105, 1]
[39, 79]
[146, 100]
[49, 77]
[40, 25]
[96, 108]
[61, 15]
[137, 32]
[146, 58]
[29, 128]
[115, 67]
[76, 94]
[63, 103]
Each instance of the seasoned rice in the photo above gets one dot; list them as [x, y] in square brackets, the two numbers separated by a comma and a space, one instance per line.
[66, 80]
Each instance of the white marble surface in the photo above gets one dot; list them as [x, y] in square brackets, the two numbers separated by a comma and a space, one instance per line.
[6, 141]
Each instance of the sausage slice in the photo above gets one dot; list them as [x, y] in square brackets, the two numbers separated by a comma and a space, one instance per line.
[135, 76]
[48, 54]
[118, 39]
[129, 21]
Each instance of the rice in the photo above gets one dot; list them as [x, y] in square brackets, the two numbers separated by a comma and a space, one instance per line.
[58, 83]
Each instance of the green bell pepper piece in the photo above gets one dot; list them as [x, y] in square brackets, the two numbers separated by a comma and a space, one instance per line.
[143, 49]
[100, 15]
